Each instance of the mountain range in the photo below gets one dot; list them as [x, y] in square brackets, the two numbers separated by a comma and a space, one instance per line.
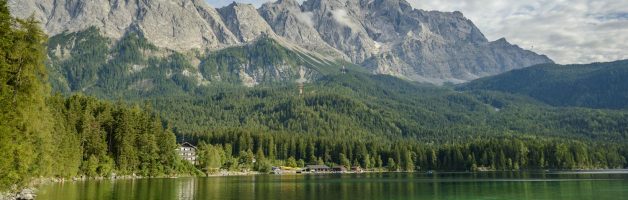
[279, 42]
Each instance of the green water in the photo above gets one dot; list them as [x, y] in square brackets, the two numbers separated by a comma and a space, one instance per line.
[509, 185]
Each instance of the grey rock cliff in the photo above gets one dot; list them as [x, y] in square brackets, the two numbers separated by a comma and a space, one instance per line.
[245, 22]
[288, 21]
[385, 36]
[172, 24]
[390, 37]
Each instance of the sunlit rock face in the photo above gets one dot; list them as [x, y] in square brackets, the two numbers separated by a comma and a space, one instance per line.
[390, 37]
[172, 24]
[384, 36]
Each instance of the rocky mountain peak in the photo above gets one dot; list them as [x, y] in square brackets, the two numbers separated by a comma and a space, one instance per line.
[288, 20]
[245, 22]
[399, 5]
[286, 3]
[501, 42]
[384, 36]
[176, 24]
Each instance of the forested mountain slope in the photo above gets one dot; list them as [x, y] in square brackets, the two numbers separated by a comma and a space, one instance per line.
[380, 121]
[596, 85]
[88, 62]
[348, 117]
[366, 105]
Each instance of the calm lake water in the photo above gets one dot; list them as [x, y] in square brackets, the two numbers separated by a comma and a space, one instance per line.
[389, 186]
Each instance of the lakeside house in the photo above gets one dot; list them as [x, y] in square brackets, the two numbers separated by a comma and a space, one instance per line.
[187, 152]
[339, 169]
[357, 169]
[317, 168]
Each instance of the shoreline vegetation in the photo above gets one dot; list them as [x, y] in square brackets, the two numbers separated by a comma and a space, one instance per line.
[30, 191]
[44, 135]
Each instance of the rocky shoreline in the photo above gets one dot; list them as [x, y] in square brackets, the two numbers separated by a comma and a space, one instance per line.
[29, 191]
[25, 194]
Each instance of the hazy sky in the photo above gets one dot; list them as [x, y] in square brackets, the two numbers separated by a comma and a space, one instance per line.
[568, 31]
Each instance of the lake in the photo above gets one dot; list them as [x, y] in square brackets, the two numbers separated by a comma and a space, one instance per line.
[390, 186]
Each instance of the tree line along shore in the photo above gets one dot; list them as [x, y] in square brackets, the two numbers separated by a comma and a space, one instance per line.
[44, 135]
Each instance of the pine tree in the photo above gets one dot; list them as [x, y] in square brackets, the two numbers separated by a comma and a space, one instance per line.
[124, 140]
[25, 131]
[271, 149]
[407, 161]
[167, 141]
[344, 161]
[391, 165]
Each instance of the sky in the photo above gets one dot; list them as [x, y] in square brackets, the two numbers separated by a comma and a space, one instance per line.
[568, 31]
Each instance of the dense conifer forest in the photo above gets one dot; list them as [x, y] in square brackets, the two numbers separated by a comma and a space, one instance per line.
[387, 126]
[43, 135]
[595, 85]
[377, 122]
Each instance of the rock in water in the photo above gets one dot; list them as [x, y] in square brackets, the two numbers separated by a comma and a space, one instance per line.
[26, 194]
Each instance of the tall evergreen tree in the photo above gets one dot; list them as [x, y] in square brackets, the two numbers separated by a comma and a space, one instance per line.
[25, 131]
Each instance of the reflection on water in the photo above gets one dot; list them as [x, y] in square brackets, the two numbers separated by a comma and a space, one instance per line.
[503, 185]
[186, 188]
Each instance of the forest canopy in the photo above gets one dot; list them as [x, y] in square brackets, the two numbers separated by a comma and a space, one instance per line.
[43, 135]
[132, 123]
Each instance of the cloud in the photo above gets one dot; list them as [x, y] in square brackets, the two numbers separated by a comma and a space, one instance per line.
[568, 31]
[341, 16]
[306, 17]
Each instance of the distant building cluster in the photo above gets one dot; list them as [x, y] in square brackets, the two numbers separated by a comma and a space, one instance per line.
[317, 169]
